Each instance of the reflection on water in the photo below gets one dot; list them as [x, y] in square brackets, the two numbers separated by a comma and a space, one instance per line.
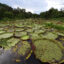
[8, 58]
[33, 60]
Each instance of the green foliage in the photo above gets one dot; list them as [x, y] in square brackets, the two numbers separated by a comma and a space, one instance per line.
[52, 13]
[8, 13]
[56, 26]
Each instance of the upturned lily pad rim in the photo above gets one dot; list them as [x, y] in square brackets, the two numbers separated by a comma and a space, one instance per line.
[25, 37]
[58, 44]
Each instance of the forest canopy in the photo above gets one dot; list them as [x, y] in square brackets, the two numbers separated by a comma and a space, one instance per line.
[7, 12]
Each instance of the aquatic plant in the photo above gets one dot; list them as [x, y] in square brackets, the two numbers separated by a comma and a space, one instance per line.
[24, 48]
[25, 37]
[1, 31]
[6, 35]
[47, 51]
[49, 35]
[12, 42]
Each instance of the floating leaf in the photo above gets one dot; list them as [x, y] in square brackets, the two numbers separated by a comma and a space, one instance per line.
[47, 51]
[2, 32]
[6, 35]
[11, 42]
[49, 35]
[25, 48]
[26, 37]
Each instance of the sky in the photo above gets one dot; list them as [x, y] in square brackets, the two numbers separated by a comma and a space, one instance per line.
[35, 6]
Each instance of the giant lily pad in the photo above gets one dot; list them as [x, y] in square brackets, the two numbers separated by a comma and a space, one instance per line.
[19, 29]
[35, 36]
[50, 35]
[1, 28]
[2, 32]
[47, 51]
[19, 34]
[11, 42]
[19, 25]
[29, 30]
[10, 30]
[39, 31]
[3, 43]
[59, 33]
[22, 48]
[6, 35]
[26, 37]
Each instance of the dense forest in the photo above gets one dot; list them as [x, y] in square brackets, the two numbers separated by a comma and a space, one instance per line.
[7, 12]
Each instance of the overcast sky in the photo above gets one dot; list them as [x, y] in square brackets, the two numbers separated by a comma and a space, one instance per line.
[35, 6]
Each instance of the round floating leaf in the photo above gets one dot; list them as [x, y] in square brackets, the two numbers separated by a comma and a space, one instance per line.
[50, 35]
[29, 30]
[39, 31]
[19, 25]
[24, 48]
[3, 43]
[6, 35]
[59, 33]
[25, 37]
[35, 36]
[10, 30]
[20, 34]
[1, 28]
[19, 29]
[11, 42]
[2, 32]
[47, 51]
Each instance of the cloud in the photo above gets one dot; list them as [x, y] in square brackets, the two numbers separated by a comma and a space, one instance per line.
[27, 10]
[35, 6]
[55, 3]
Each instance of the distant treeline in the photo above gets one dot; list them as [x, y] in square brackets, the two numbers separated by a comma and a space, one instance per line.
[7, 12]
